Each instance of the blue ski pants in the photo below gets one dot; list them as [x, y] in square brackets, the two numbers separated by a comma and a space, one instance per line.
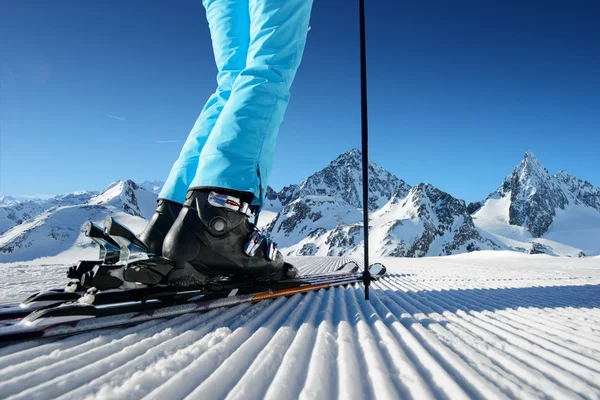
[258, 45]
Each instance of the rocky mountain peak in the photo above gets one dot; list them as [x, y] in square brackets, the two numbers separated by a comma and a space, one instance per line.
[531, 171]
[271, 194]
[400, 194]
[534, 196]
[530, 156]
[342, 178]
[288, 194]
[351, 156]
[126, 195]
[532, 161]
[14, 212]
[323, 215]
[423, 189]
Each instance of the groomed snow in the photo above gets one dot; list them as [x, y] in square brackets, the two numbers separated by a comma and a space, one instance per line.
[480, 325]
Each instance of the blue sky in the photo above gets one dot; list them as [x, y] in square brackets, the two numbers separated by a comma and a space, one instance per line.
[92, 92]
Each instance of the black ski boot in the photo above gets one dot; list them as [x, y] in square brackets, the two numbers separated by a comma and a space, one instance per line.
[213, 236]
[154, 234]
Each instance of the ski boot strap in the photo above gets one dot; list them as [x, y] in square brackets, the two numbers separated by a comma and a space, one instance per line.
[231, 203]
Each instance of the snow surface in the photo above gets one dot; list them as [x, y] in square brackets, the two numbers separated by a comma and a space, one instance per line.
[490, 324]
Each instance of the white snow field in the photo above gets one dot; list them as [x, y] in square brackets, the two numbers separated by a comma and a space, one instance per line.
[491, 324]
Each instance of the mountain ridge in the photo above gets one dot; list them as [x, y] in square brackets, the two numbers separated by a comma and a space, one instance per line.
[530, 211]
[324, 215]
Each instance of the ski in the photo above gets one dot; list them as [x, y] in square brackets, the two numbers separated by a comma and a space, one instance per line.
[55, 297]
[76, 317]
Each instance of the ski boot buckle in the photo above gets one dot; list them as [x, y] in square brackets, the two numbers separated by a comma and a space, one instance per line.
[230, 202]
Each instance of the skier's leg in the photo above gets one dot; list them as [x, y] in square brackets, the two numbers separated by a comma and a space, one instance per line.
[238, 154]
[213, 231]
[229, 22]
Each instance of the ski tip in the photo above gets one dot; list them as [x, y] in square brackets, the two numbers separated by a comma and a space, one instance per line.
[114, 228]
[288, 265]
[350, 266]
[341, 267]
[87, 228]
[92, 230]
[108, 221]
[376, 270]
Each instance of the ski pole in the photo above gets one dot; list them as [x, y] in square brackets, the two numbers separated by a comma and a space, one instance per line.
[365, 146]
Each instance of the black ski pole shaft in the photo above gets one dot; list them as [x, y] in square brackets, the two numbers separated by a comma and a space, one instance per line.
[365, 146]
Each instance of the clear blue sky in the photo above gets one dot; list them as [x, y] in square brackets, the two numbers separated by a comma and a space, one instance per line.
[92, 92]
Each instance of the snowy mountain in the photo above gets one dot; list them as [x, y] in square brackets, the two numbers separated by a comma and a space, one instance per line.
[14, 212]
[308, 225]
[579, 192]
[339, 182]
[538, 212]
[427, 222]
[128, 197]
[531, 211]
[342, 179]
[423, 222]
[7, 201]
[323, 215]
[58, 228]
[534, 196]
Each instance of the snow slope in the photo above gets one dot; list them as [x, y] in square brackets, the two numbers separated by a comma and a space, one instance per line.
[577, 227]
[480, 325]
